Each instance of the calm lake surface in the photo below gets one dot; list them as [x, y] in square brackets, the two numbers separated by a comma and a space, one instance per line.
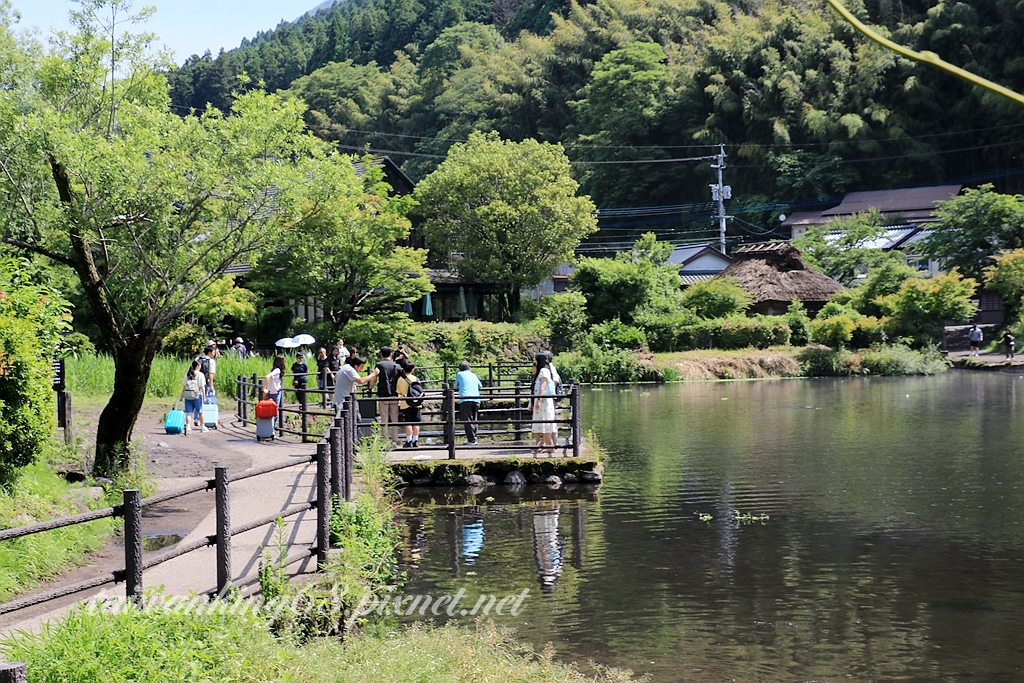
[880, 536]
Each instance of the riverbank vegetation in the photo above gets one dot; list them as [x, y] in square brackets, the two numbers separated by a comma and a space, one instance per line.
[298, 631]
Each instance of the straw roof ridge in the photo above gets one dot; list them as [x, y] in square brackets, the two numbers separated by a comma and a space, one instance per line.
[775, 271]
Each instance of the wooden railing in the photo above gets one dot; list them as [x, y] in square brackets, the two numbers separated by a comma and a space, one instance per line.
[334, 460]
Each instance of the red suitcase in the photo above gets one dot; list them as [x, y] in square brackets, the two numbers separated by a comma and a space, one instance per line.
[266, 408]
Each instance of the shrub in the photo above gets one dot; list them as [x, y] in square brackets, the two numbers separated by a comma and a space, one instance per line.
[799, 324]
[819, 361]
[737, 332]
[716, 298]
[32, 316]
[566, 316]
[595, 364]
[902, 360]
[834, 309]
[868, 332]
[371, 333]
[614, 334]
[835, 332]
[76, 344]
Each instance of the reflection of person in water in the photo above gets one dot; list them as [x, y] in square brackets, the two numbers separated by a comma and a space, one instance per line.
[546, 547]
[414, 541]
[472, 538]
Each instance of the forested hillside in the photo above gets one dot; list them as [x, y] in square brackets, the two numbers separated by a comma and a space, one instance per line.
[806, 107]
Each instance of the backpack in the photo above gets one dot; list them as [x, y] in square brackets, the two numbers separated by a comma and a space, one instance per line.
[204, 366]
[415, 397]
[191, 391]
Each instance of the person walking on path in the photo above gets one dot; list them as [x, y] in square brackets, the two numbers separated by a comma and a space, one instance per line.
[1009, 341]
[208, 365]
[193, 392]
[544, 405]
[468, 385]
[387, 390]
[975, 336]
[350, 377]
[410, 409]
[273, 383]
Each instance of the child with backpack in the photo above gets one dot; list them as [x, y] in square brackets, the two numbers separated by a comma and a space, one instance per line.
[193, 392]
[410, 405]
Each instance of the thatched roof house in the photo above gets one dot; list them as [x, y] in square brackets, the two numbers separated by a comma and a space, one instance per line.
[775, 275]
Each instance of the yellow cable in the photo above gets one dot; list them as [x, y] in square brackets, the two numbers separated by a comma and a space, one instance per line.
[925, 56]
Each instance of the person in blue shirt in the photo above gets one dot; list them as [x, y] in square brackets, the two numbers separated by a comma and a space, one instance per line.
[468, 385]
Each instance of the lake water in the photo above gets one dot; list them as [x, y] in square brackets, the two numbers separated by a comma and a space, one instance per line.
[862, 529]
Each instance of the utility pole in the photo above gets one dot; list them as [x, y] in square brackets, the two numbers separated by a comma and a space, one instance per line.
[720, 193]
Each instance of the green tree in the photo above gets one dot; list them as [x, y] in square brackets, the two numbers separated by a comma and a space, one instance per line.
[881, 281]
[843, 249]
[922, 305]
[509, 210]
[716, 298]
[1006, 276]
[638, 279]
[145, 207]
[975, 227]
[32, 317]
[345, 256]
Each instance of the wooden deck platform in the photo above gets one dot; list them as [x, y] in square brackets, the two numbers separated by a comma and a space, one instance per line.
[498, 450]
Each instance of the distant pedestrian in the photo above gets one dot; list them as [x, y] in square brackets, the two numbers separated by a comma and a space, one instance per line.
[321, 368]
[343, 351]
[544, 405]
[208, 365]
[468, 386]
[238, 349]
[1008, 341]
[349, 377]
[334, 363]
[300, 378]
[975, 336]
[387, 393]
[193, 392]
[410, 409]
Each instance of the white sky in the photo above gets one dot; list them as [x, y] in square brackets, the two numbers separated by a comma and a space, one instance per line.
[186, 26]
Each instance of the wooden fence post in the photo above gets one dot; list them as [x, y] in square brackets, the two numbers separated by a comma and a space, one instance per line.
[323, 508]
[304, 402]
[577, 422]
[334, 439]
[517, 412]
[449, 421]
[240, 400]
[351, 438]
[132, 510]
[222, 501]
[13, 672]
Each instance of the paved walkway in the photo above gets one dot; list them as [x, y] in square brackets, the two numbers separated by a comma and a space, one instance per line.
[177, 462]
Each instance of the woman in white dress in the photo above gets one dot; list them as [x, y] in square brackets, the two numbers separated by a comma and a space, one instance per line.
[544, 406]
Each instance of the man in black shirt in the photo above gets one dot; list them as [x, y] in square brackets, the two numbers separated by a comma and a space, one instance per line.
[387, 389]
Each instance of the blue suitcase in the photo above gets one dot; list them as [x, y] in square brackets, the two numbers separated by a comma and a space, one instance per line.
[175, 422]
[264, 428]
[211, 415]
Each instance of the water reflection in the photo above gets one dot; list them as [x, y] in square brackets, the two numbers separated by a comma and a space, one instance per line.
[868, 530]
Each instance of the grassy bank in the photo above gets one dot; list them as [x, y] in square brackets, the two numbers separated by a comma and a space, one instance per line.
[307, 634]
[40, 494]
[92, 375]
[788, 361]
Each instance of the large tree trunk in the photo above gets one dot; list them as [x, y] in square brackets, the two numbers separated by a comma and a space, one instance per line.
[132, 364]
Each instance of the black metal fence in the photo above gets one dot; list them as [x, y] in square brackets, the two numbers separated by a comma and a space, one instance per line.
[504, 418]
[334, 459]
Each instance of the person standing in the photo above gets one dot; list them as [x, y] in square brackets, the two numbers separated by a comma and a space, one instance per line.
[1009, 341]
[408, 413]
[468, 385]
[349, 377]
[193, 392]
[300, 379]
[544, 405]
[343, 351]
[334, 364]
[387, 390]
[273, 387]
[238, 348]
[975, 336]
